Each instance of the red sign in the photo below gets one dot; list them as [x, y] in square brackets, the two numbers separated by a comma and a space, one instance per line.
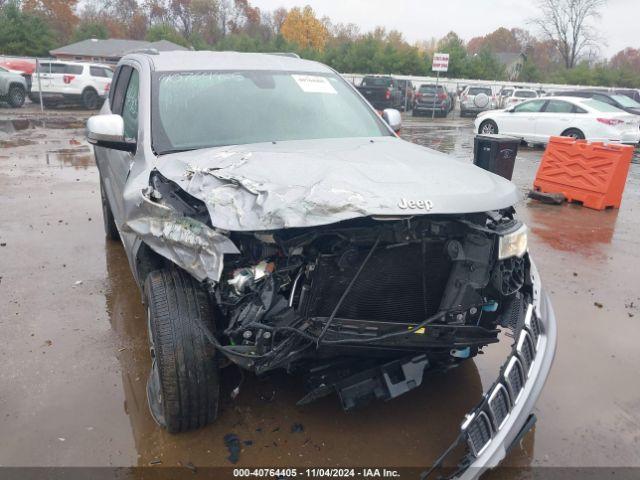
[440, 62]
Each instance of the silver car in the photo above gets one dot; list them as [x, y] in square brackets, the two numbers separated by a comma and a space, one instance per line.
[476, 99]
[274, 220]
[13, 88]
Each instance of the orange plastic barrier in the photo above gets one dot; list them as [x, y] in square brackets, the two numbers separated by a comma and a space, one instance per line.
[591, 173]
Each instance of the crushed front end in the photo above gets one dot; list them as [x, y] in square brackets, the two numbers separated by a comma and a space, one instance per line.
[363, 307]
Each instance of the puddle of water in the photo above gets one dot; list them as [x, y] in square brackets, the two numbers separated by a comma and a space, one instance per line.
[16, 142]
[19, 124]
[79, 158]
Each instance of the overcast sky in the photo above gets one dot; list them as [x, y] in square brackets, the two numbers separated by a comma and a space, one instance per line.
[423, 19]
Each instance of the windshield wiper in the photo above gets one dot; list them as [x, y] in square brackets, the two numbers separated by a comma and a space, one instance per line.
[176, 150]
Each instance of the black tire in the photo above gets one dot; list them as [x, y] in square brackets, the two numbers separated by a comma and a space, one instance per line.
[110, 229]
[415, 113]
[90, 99]
[573, 133]
[184, 385]
[488, 127]
[16, 96]
[463, 113]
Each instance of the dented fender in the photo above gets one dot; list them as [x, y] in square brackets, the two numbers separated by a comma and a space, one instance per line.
[188, 243]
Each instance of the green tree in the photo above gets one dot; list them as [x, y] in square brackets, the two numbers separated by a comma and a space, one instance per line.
[165, 32]
[24, 33]
[87, 30]
[483, 66]
[530, 72]
[455, 47]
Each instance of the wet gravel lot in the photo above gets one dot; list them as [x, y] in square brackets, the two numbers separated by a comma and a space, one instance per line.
[74, 358]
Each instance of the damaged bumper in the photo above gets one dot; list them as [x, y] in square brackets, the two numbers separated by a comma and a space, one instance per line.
[505, 413]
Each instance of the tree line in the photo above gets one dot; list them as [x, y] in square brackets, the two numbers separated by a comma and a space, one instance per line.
[564, 53]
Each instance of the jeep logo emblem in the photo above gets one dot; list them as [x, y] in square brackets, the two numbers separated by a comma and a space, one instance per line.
[405, 204]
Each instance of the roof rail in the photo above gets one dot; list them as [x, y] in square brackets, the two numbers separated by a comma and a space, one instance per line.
[285, 54]
[148, 51]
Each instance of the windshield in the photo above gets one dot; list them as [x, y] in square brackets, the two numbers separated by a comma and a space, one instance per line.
[600, 106]
[626, 101]
[209, 109]
[525, 94]
[479, 90]
[376, 82]
[430, 89]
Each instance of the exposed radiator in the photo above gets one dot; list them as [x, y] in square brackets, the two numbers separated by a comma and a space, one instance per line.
[398, 284]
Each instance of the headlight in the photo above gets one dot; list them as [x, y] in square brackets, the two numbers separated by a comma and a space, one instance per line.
[513, 244]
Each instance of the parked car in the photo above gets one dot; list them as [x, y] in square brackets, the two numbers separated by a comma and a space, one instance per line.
[581, 118]
[328, 247]
[22, 67]
[632, 93]
[13, 88]
[502, 95]
[381, 92]
[519, 95]
[476, 99]
[431, 100]
[408, 94]
[71, 82]
[620, 101]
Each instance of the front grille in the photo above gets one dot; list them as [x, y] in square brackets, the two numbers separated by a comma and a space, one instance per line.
[514, 378]
[479, 433]
[499, 405]
[533, 324]
[398, 284]
[526, 350]
[507, 390]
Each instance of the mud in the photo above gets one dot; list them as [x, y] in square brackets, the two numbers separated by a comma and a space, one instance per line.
[74, 359]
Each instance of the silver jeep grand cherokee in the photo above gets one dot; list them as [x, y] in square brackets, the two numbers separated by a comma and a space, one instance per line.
[274, 220]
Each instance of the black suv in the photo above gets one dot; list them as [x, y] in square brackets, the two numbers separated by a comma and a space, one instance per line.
[623, 102]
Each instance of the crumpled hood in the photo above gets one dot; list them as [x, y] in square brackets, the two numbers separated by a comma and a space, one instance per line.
[316, 182]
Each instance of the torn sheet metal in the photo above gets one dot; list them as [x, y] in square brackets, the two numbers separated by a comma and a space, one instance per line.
[317, 182]
[188, 243]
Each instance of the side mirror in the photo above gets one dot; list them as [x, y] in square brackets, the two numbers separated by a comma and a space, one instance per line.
[108, 131]
[393, 118]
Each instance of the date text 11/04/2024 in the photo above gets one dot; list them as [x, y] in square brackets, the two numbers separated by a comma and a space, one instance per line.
[316, 472]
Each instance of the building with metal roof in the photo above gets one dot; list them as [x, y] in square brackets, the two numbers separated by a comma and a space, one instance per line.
[109, 50]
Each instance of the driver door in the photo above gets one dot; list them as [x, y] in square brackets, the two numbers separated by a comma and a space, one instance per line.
[114, 165]
[555, 118]
[522, 121]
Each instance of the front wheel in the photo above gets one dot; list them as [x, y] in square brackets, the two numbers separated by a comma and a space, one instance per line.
[488, 127]
[16, 96]
[183, 386]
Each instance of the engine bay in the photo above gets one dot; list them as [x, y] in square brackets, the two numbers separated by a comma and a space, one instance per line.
[368, 288]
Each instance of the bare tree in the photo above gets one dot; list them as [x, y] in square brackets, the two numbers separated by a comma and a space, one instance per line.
[568, 24]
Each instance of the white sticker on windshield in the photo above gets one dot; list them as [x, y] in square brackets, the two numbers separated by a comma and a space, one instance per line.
[314, 84]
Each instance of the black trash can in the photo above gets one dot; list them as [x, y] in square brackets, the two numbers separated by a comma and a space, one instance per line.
[496, 153]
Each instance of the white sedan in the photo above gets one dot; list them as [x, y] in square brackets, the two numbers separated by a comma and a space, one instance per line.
[581, 118]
